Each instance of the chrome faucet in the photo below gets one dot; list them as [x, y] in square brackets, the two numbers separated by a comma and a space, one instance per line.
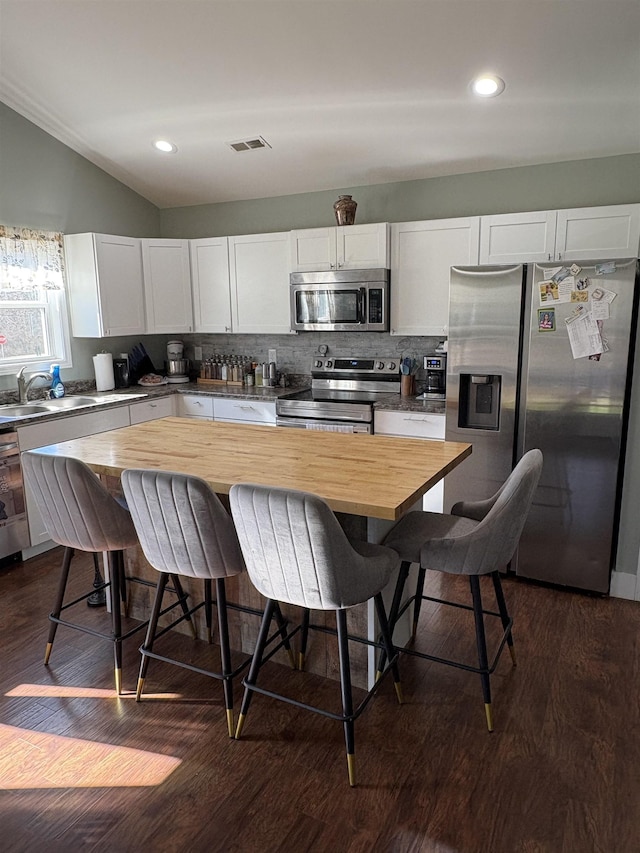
[24, 383]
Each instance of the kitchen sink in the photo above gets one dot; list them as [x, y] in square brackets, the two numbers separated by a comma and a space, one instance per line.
[67, 403]
[22, 411]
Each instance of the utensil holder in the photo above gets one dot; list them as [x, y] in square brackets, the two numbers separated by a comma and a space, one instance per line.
[407, 385]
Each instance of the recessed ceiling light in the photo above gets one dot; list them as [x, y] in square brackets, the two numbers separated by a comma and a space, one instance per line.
[487, 86]
[166, 147]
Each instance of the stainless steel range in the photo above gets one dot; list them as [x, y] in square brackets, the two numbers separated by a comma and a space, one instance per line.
[342, 394]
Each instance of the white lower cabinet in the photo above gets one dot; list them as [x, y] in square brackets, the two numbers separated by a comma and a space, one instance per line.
[261, 412]
[195, 406]
[151, 410]
[41, 434]
[415, 425]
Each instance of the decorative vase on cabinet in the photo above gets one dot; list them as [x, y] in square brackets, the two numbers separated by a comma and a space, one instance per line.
[345, 210]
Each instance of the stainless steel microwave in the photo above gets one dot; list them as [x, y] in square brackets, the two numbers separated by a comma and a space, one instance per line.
[340, 301]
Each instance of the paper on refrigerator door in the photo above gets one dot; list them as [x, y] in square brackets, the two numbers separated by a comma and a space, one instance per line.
[584, 333]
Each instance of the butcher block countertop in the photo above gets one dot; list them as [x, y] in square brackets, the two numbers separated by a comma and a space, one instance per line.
[366, 475]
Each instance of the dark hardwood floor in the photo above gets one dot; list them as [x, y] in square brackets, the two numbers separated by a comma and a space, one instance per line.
[83, 770]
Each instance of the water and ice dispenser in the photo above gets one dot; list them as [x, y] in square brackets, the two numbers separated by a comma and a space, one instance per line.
[479, 406]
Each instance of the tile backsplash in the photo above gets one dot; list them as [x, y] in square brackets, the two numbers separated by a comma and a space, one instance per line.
[294, 353]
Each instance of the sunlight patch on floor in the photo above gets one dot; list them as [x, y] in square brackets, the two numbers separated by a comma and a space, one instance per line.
[59, 691]
[31, 759]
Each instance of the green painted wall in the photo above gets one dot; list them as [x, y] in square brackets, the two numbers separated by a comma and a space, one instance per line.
[44, 184]
[582, 183]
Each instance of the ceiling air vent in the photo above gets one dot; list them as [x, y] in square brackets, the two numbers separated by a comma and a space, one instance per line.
[249, 144]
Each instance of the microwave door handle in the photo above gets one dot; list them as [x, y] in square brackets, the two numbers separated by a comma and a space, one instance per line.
[362, 307]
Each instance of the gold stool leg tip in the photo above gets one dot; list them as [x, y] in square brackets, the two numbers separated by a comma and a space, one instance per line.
[351, 767]
[399, 693]
[47, 653]
[378, 675]
[489, 715]
[301, 660]
[118, 680]
[239, 726]
[230, 725]
[139, 689]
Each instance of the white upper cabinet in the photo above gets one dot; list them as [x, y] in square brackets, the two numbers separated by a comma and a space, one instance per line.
[587, 233]
[259, 273]
[421, 256]
[106, 288]
[167, 286]
[518, 237]
[598, 233]
[210, 284]
[340, 247]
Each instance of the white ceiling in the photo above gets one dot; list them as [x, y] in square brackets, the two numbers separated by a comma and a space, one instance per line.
[347, 92]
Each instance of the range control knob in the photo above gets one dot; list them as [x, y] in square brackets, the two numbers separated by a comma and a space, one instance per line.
[329, 363]
[380, 365]
[391, 365]
[317, 363]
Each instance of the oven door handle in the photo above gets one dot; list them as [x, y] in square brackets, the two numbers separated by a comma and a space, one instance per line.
[362, 306]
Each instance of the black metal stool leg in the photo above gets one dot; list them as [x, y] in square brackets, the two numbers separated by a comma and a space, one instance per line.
[99, 597]
[347, 696]
[417, 604]
[114, 578]
[504, 613]
[208, 608]
[403, 574]
[304, 637]
[67, 556]
[182, 598]
[282, 627]
[151, 632]
[225, 652]
[474, 582]
[386, 636]
[256, 662]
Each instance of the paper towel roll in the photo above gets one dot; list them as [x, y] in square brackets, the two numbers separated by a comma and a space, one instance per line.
[103, 367]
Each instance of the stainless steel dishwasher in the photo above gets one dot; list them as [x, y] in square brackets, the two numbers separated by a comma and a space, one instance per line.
[14, 529]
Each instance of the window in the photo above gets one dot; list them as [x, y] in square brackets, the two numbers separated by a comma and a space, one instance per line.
[33, 313]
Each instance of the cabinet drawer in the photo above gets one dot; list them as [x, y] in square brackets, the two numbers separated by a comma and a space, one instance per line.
[66, 428]
[195, 406]
[150, 410]
[410, 424]
[257, 411]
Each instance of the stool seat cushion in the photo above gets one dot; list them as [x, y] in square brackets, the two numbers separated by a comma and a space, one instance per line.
[296, 551]
[438, 530]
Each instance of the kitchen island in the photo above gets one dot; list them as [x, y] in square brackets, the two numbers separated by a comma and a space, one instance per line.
[369, 481]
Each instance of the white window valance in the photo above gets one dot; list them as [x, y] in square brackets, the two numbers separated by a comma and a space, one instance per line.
[30, 260]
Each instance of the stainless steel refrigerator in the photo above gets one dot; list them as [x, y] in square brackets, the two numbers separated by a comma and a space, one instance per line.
[540, 356]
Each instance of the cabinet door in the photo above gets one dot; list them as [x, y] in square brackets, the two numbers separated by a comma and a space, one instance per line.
[259, 270]
[518, 237]
[421, 255]
[313, 249]
[167, 286]
[210, 284]
[106, 291]
[195, 406]
[151, 410]
[598, 233]
[362, 247]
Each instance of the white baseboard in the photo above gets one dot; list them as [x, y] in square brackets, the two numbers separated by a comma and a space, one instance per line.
[624, 585]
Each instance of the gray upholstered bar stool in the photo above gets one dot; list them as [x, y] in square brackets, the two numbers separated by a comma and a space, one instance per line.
[185, 530]
[81, 515]
[296, 552]
[478, 538]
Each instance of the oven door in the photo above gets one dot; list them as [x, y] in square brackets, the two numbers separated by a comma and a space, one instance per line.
[323, 425]
[328, 307]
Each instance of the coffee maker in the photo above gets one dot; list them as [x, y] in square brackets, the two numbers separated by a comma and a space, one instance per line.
[436, 377]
